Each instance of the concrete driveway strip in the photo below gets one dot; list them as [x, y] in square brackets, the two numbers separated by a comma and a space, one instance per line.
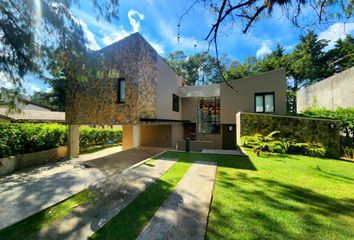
[184, 214]
[113, 194]
[23, 200]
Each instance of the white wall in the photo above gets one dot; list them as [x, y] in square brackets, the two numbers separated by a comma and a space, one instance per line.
[168, 83]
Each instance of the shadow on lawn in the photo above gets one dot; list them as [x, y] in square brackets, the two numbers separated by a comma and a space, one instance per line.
[269, 209]
[227, 161]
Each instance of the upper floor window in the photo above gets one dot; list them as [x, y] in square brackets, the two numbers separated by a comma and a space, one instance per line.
[175, 103]
[209, 115]
[121, 90]
[264, 102]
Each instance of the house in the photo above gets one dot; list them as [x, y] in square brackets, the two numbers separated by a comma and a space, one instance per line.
[155, 108]
[335, 91]
[30, 112]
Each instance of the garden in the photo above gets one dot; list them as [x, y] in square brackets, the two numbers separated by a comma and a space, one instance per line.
[21, 138]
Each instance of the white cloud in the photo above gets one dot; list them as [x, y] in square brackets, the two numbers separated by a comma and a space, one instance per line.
[111, 33]
[31, 88]
[49, 89]
[92, 44]
[264, 49]
[134, 23]
[336, 31]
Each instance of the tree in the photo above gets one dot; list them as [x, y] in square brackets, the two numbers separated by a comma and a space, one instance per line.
[195, 69]
[341, 57]
[31, 29]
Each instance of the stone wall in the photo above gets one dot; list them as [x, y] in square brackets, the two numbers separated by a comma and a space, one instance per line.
[299, 128]
[95, 101]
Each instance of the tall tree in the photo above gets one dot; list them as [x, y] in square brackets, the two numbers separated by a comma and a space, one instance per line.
[31, 29]
[341, 57]
[195, 69]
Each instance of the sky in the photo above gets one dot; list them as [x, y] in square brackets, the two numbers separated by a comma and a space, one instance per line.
[157, 21]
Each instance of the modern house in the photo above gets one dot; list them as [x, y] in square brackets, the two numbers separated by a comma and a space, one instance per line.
[335, 91]
[30, 112]
[148, 98]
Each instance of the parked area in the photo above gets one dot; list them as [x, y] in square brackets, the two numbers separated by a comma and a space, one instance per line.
[212, 196]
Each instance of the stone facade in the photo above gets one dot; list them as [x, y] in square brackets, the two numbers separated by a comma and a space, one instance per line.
[298, 128]
[95, 101]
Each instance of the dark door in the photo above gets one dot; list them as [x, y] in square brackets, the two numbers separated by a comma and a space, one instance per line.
[229, 136]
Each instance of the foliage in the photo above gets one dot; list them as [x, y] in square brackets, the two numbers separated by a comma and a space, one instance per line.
[273, 142]
[195, 69]
[28, 137]
[93, 136]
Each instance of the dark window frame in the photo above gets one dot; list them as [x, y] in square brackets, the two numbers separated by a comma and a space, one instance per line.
[215, 122]
[263, 94]
[175, 102]
[119, 90]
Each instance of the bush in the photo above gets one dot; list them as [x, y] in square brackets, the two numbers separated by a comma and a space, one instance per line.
[93, 136]
[274, 143]
[23, 138]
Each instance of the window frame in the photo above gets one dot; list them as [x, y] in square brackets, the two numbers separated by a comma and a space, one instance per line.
[120, 80]
[216, 122]
[263, 94]
[175, 97]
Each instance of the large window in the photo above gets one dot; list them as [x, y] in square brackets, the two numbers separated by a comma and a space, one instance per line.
[175, 103]
[209, 115]
[121, 90]
[264, 102]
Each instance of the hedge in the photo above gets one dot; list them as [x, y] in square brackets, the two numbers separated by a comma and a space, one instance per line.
[20, 138]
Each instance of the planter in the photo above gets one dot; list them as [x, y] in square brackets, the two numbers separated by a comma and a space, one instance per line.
[12, 163]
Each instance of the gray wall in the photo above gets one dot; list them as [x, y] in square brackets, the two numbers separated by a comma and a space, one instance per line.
[335, 91]
[168, 83]
[244, 100]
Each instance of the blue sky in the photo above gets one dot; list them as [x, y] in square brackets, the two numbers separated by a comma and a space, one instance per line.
[157, 21]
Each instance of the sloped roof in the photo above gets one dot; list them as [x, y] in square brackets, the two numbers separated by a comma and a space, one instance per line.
[33, 116]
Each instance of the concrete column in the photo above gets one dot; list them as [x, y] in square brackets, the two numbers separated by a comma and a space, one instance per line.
[238, 128]
[136, 136]
[74, 140]
[131, 136]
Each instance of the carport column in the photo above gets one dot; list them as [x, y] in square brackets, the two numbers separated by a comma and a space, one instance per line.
[74, 140]
[136, 136]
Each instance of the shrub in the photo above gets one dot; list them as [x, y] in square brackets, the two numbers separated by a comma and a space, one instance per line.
[274, 143]
[20, 138]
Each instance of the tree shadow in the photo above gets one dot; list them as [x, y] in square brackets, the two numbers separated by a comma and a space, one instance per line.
[268, 209]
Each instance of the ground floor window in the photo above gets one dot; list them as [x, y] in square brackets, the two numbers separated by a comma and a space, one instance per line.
[209, 115]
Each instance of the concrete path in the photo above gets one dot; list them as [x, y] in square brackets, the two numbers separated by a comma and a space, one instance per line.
[23, 200]
[184, 214]
[113, 194]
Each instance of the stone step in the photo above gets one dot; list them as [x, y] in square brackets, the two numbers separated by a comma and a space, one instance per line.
[184, 214]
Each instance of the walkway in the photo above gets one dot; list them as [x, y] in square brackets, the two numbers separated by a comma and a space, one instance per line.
[184, 214]
[114, 194]
[28, 191]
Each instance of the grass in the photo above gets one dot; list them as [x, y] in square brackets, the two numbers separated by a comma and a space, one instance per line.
[36, 222]
[128, 223]
[92, 149]
[288, 197]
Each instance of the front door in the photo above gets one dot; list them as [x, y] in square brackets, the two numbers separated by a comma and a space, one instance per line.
[229, 136]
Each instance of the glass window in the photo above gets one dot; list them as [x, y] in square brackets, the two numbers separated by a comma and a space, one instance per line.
[209, 115]
[175, 103]
[269, 102]
[121, 90]
[264, 102]
[259, 103]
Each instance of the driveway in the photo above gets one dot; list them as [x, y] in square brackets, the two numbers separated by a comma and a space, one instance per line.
[29, 191]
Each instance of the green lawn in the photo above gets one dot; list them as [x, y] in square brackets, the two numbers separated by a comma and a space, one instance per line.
[287, 197]
[34, 223]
